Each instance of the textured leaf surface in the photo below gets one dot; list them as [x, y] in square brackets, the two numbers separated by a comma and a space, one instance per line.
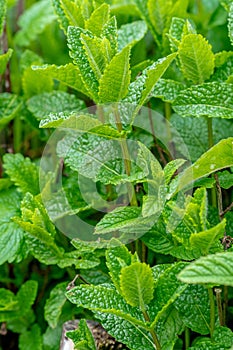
[12, 241]
[98, 19]
[9, 107]
[137, 284]
[194, 132]
[2, 14]
[214, 269]
[209, 162]
[196, 58]
[211, 99]
[117, 258]
[116, 78]
[35, 83]
[54, 304]
[167, 89]
[54, 104]
[158, 12]
[77, 52]
[78, 123]
[131, 33]
[104, 299]
[230, 23]
[69, 75]
[167, 289]
[14, 306]
[82, 337]
[4, 59]
[124, 219]
[22, 172]
[194, 309]
[31, 339]
[33, 21]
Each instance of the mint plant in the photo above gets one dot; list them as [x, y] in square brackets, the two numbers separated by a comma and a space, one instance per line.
[116, 172]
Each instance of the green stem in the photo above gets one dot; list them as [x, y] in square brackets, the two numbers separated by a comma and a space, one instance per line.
[17, 132]
[211, 143]
[218, 292]
[152, 332]
[187, 338]
[212, 311]
[225, 304]
[126, 157]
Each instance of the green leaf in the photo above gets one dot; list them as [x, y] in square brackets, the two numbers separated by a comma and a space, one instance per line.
[31, 339]
[223, 336]
[171, 168]
[82, 335]
[54, 304]
[98, 19]
[12, 242]
[35, 83]
[104, 299]
[4, 59]
[211, 99]
[209, 163]
[97, 154]
[116, 78]
[40, 231]
[205, 240]
[141, 89]
[137, 284]
[69, 75]
[230, 23]
[94, 48]
[158, 12]
[14, 306]
[117, 258]
[125, 220]
[22, 172]
[79, 123]
[196, 58]
[215, 269]
[167, 90]
[131, 33]
[33, 22]
[54, 104]
[195, 310]
[62, 19]
[110, 33]
[194, 132]
[72, 13]
[10, 105]
[3, 5]
[77, 52]
[168, 328]
[225, 179]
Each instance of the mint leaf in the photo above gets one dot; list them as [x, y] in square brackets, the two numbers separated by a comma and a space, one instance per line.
[196, 58]
[214, 269]
[22, 172]
[33, 21]
[31, 339]
[54, 304]
[137, 284]
[54, 104]
[211, 99]
[116, 78]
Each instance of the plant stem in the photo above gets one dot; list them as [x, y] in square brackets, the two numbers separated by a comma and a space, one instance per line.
[17, 132]
[187, 337]
[218, 292]
[225, 304]
[126, 157]
[152, 332]
[210, 144]
[212, 311]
